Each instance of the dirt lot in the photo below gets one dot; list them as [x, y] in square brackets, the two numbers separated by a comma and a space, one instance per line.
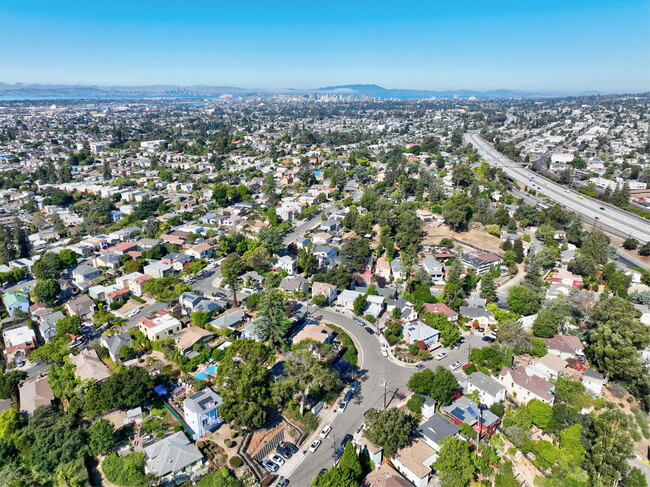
[478, 238]
[116, 418]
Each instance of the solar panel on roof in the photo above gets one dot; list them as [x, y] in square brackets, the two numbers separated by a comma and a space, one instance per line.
[458, 412]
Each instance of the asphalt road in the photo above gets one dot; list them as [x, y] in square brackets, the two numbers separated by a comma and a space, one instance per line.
[624, 222]
[305, 226]
[374, 370]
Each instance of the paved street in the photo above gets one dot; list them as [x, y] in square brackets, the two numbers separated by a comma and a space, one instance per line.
[616, 219]
[374, 370]
[304, 226]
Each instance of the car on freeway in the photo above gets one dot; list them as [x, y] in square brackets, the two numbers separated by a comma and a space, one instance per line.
[314, 445]
[277, 459]
[270, 466]
[419, 366]
[355, 385]
[347, 438]
[337, 453]
[456, 365]
[580, 197]
[290, 446]
[440, 356]
[283, 452]
[325, 431]
[601, 208]
[282, 482]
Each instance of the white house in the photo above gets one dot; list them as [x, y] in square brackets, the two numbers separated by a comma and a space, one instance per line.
[287, 263]
[418, 331]
[414, 462]
[201, 412]
[435, 269]
[489, 389]
[159, 327]
[346, 299]
[547, 367]
[594, 382]
[524, 387]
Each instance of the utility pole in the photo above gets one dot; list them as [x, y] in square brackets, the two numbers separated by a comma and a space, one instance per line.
[384, 386]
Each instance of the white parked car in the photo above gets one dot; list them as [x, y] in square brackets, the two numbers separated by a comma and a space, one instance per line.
[314, 446]
[277, 459]
[455, 365]
[325, 431]
[440, 356]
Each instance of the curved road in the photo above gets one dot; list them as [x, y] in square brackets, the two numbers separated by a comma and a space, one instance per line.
[374, 370]
[625, 223]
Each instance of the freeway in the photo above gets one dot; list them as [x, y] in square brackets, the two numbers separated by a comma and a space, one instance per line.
[374, 370]
[618, 222]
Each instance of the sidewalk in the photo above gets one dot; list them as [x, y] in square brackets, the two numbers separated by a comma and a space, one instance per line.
[296, 460]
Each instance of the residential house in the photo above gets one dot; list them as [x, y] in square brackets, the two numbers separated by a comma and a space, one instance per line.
[200, 251]
[295, 284]
[157, 269]
[88, 366]
[190, 336]
[480, 262]
[398, 269]
[19, 342]
[435, 269]
[288, 264]
[312, 331]
[114, 343]
[594, 381]
[126, 279]
[17, 301]
[346, 299]
[229, 319]
[436, 430]
[137, 285]
[372, 451]
[382, 268]
[330, 226]
[34, 393]
[375, 305]
[481, 316]
[173, 459]
[201, 412]
[419, 332]
[325, 254]
[547, 367]
[384, 475]
[566, 346]
[414, 462]
[47, 325]
[481, 419]
[82, 306]
[441, 308]
[489, 389]
[85, 273]
[159, 327]
[524, 387]
[327, 290]
[177, 261]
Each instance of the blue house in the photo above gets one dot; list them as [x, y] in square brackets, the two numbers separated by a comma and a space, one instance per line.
[201, 412]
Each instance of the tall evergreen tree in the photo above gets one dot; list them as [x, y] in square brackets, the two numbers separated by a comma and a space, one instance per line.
[488, 288]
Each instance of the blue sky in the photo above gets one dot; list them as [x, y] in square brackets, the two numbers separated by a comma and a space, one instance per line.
[568, 46]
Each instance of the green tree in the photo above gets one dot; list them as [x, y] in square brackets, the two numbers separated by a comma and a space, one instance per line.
[523, 301]
[48, 266]
[388, 428]
[47, 291]
[126, 471]
[101, 437]
[272, 323]
[541, 414]
[232, 268]
[443, 386]
[70, 325]
[457, 211]
[221, 478]
[454, 464]
[488, 288]
[346, 474]
[360, 304]
[11, 422]
[354, 253]
[271, 239]
[595, 246]
[611, 448]
[308, 370]
[9, 383]
[307, 261]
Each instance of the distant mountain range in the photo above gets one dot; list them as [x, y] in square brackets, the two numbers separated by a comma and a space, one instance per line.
[19, 90]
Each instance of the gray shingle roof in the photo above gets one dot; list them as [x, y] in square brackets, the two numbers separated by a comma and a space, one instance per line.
[172, 454]
[438, 428]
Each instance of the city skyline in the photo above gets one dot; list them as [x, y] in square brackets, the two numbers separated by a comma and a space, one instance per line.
[586, 46]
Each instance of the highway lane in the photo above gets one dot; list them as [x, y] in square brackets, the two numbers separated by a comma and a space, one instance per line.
[626, 223]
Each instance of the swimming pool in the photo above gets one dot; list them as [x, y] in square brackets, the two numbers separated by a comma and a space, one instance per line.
[209, 371]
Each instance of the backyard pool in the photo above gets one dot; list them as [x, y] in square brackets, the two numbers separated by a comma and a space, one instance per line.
[209, 371]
